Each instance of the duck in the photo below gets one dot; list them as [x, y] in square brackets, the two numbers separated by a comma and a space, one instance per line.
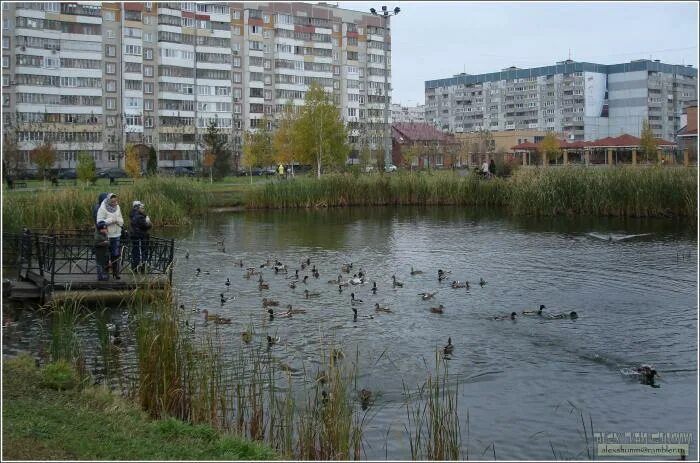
[293, 284]
[416, 272]
[228, 282]
[449, 348]
[647, 374]
[506, 317]
[482, 282]
[247, 336]
[353, 300]
[382, 309]
[308, 294]
[354, 317]
[442, 275]
[438, 309]
[271, 340]
[355, 280]
[278, 314]
[340, 288]
[306, 277]
[396, 282]
[240, 263]
[208, 316]
[336, 281]
[534, 312]
[187, 255]
[365, 396]
[280, 268]
[426, 295]
[262, 286]
[223, 299]
[345, 268]
[456, 284]
[290, 311]
[269, 302]
[374, 287]
[222, 321]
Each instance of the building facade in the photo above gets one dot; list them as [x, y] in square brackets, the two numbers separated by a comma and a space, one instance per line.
[92, 77]
[584, 101]
[400, 113]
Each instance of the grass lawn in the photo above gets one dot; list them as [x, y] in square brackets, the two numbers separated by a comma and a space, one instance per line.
[94, 424]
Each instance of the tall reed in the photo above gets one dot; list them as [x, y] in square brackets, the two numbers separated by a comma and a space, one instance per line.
[65, 345]
[433, 422]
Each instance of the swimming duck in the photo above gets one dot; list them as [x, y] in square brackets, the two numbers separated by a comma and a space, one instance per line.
[271, 340]
[269, 302]
[396, 282]
[336, 281]
[449, 348]
[456, 284]
[222, 321]
[223, 299]
[208, 316]
[228, 282]
[240, 263]
[262, 286]
[353, 300]
[482, 282]
[198, 271]
[278, 314]
[247, 336]
[187, 255]
[466, 284]
[345, 268]
[415, 272]
[293, 284]
[374, 287]
[355, 280]
[340, 288]
[354, 317]
[425, 295]
[308, 294]
[365, 396]
[442, 275]
[647, 374]
[534, 312]
[506, 317]
[290, 311]
[306, 277]
[438, 309]
[382, 309]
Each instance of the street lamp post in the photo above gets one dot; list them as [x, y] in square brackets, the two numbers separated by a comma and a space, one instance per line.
[387, 130]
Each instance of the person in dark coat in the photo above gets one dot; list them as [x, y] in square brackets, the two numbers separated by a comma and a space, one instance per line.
[102, 251]
[139, 226]
[492, 168]
[96, 207]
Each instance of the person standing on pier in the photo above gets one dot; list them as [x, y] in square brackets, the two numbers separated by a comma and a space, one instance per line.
[102, 251]
[111, 214]
[139, 226]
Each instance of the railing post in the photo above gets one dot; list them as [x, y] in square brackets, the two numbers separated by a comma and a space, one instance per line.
[170, 261]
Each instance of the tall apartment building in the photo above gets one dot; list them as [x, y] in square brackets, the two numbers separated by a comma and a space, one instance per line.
[585, 101]
[401, 113]
[94, 76]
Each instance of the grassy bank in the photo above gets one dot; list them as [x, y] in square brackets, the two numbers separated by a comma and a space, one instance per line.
[41, 423]
[624, 191]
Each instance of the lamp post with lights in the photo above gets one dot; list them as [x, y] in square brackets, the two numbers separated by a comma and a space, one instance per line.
[385, 14]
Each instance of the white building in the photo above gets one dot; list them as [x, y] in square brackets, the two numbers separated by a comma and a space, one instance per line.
[400, 113]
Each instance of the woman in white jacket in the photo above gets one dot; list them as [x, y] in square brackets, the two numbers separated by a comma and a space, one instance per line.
[111, 214]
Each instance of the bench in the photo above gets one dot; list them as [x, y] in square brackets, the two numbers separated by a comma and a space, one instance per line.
[19, 184]
[122, 181]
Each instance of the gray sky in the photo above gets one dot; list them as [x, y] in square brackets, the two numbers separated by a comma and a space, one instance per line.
[435, 40]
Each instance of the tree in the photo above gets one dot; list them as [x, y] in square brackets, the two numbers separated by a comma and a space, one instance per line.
[44, 157]
[216, 144]
[208, 163]
[365, 155]
[486, 142]
[548, 147]
[320, 134]
[86, 169]
[132, 164]
[152, 162]
[411, 155]
[10, 153]
[648, 142]
[257, 148]
[283, 145]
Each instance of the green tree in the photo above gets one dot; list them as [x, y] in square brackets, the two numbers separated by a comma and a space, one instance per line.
[86, 169]
[320, 134]
[132, 161]
[152, 162]
[648, 143]
[548, 147]
[44, 157]
[216, 145]
[283, 145]
[257, 148]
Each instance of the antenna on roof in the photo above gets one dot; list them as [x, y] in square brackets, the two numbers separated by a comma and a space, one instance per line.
[569, 53]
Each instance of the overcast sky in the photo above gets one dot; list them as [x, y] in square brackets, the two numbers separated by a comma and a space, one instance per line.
[435, 40]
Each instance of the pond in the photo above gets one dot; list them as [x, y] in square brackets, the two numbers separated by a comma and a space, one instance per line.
[633, 284]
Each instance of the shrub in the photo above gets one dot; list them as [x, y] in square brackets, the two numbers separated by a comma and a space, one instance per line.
[60, 375]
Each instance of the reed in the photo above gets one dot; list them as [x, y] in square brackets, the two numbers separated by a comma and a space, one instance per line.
[433, 422]
[620, 191]
[65, 345]
[169, 202]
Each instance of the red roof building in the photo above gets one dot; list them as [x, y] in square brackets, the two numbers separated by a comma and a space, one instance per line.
[435, 148]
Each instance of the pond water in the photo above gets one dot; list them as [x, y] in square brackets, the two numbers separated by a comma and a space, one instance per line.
[633, 284]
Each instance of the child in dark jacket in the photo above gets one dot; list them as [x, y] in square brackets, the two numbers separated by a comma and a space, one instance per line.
[102, 251]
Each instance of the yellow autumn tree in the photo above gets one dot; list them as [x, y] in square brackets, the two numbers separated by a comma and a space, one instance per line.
[132, 163]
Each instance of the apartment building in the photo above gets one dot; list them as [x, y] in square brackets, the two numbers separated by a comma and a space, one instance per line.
[400, 113]
[94, 76]
[583, 101]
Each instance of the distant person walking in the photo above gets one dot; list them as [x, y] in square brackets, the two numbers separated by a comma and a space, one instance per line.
[485, 168]
[280, 171]
[492, 168]
[139, 226]
[111, 214]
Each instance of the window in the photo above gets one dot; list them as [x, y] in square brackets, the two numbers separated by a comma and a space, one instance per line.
[236, 30]
[148, 122]
[266, 18]
[148, 36]
[148, 71]
[110, 50]
[5, 61]
[147, 20]
[147, 87]
[237, 92]
[109, 15]
[134, 50]
[148, 105]
[111, 86]
[235, 14]
[237, 77]
[268, 80]
[111, 103]
[111, 68]
[236, 62]
[148, 53]
[110, 121]
[110, 34]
